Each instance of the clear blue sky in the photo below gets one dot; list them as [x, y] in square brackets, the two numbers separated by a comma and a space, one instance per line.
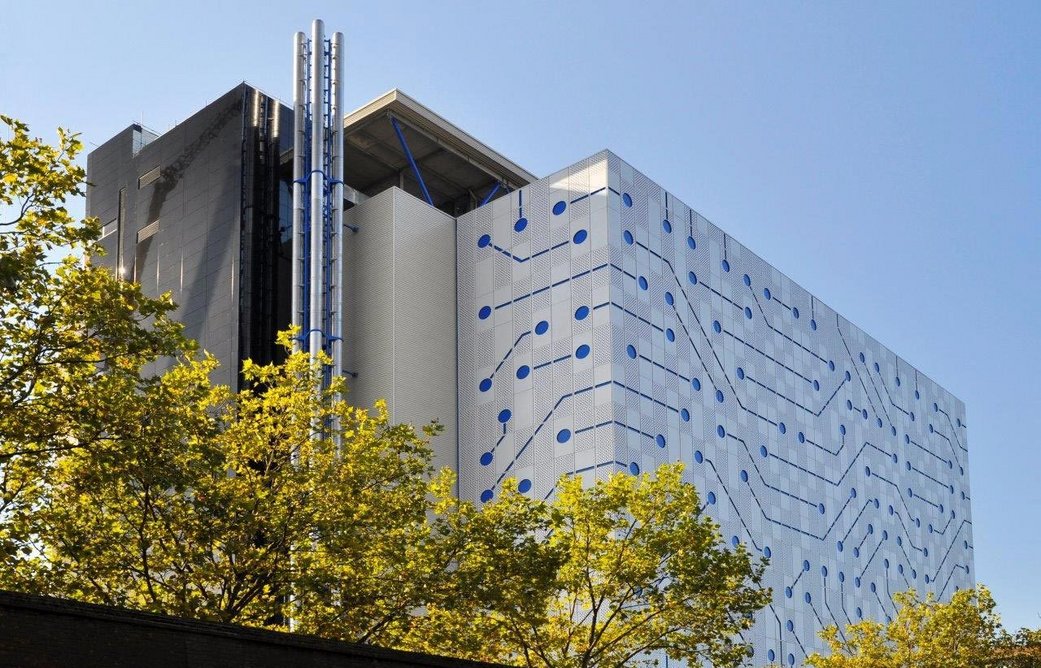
[887, 156]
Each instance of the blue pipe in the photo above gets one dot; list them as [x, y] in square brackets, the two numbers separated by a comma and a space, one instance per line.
[490, 193]
[411, 160]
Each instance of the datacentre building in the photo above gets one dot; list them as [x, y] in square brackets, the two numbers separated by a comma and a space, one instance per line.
[585, 322]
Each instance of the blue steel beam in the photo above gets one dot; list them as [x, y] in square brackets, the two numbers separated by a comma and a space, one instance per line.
[411, 160]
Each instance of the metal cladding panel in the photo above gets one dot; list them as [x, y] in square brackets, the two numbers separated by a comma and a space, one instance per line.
[399, 313]
[809, 441]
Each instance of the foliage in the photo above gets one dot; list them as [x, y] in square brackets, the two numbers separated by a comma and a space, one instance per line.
[229, 507]
[607, 575]
[74, 338]
[1019, 650]
[925, 634]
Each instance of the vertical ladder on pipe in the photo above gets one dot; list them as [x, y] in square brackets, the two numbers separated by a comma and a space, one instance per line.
[317, 269]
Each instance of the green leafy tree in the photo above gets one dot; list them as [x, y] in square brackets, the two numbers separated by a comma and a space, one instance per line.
[1019, 650]
[926, 633]
[73, 338]
[226, 506]
[612, 574]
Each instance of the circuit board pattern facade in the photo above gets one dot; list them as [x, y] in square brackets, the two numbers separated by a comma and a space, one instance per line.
[604, 326]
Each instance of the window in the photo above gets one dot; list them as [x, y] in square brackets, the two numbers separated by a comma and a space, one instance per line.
[150, 176]
[110, 227]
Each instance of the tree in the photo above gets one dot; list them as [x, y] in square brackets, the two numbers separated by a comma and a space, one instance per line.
[73, 338]
[1019, 650]
[606, 575]
[227, 507]
[926, 633]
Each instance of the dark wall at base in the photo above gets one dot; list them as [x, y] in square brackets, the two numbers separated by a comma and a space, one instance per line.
[42, 632]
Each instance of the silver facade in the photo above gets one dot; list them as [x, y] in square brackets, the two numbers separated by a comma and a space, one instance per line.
[606, 326]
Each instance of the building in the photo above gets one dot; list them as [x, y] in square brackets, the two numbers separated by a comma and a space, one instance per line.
[591, 323]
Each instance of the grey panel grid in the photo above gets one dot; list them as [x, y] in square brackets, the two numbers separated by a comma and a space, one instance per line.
[808, 440]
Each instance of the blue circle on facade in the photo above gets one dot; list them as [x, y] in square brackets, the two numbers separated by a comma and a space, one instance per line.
[842, 429]
[917, 395]
[816, 386]
[767, 293]
[669, 299]
[860, 613]
[716, 326]
[740, 373]
[791, 659]
[563, 436]
[628, 236]
[485, 385]
[813, 324]
[744, 475]
[788, 592]
[582, 351]
[692, 277]
[627, 200]
[820, 509]
[782, 428]
[848, 377]
[842, 576]
[667, 226]
[580, 236]
[763, 452]
[795, 312]
[696, 384]
[767, 552]
[484, 240]
[486, 496]
[771, 655]
[685, 414]
[523, 486]
[806, 597]
[748, 313]
[725, 264]
[634, 468]
[505, 415]
[484, 312]
[630, 350]
[838, 545]
[856, 580]
[691, 244]
[910, 493]
[863, 412]
[520, 224]
[720, 431]
[789, 625]
[581, 312]
[669, 334]
[831, 365]
[522, 371]
[824, 571]
[698, 457]
[559, 207]
[542, 327]
[719, 396]
[734, 541]
[852, 492]
[747, 279]
[861, 357]
[486, 459]
[643, 282]
[712, 498]
[801, 436]
[660, 440]
[867, 471]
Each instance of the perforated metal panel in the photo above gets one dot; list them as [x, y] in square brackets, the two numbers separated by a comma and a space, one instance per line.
[809, 441]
